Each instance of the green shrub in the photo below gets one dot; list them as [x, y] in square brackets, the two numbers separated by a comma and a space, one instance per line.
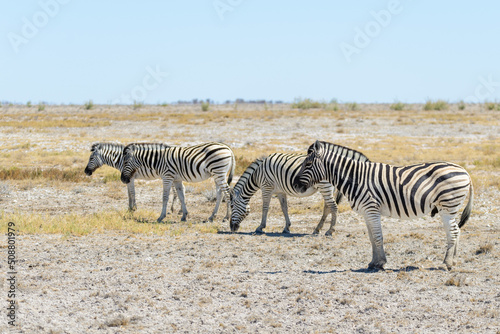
[461, 105]
[490, 105]
[438, 105]
[41, 107]
[137, 105]
[352, 106]
[306, 104]
[398, 106]
[205, 106]
[89, 105]
[28, 104]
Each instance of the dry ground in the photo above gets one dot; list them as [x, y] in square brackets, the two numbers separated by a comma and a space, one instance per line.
[86, 265]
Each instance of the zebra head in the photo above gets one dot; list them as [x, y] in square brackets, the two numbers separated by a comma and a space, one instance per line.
[130, 163]
[96, 160]
[312, 170]
[239, 210]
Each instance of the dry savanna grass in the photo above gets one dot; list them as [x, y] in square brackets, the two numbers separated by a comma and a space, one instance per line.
[27, 163]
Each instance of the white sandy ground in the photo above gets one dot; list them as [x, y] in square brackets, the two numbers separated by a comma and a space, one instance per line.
[118, 282]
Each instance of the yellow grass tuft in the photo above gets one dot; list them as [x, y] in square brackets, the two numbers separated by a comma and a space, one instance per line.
[141, 221]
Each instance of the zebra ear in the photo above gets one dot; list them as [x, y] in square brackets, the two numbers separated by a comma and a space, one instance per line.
[317, 147]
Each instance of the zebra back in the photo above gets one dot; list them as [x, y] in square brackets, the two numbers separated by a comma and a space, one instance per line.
[341, 150]
[245, 183]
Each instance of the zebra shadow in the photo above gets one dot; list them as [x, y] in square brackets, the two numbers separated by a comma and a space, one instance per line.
[406, 269]
[268, 234]
[321, 272]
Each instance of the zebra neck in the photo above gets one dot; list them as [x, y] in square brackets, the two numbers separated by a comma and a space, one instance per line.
[248, 184]
[342, 173]
[113, 157]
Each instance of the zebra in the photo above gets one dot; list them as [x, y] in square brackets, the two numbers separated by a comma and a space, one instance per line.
[176, 164]
[274, 175]
[377, 189]
[111, 154]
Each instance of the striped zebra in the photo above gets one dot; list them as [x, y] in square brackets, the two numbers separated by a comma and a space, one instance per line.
[176, 164]
[376, 189]
[111, 154]
[274, 175]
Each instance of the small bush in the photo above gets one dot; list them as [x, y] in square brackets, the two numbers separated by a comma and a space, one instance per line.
[490, 105]
[205, 106]
[41, 107]
[28, 104]
[437, 105]
[398, 106]
[89, 105]
[352, 106]
[307, 104]
[137, 105]
[461, 105]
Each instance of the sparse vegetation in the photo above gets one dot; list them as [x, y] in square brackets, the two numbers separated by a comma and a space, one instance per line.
[438, 105]
[305, 104]
[205, 106]
[28, 104]
[485, 249]
[352, 106]
[89, 105]
[461, 105]
[137, 105]
[491, 105]
[41, 107]
[398, 106]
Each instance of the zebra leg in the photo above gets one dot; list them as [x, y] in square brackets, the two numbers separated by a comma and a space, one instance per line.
[217, 202]
[179, 187]
[322, 220]
[173, 201]
[266, 200]
[131, 196]
[284, 208]
[221, 187]
[330, 206]
[372, 220]
[167, 184]
[452, 235]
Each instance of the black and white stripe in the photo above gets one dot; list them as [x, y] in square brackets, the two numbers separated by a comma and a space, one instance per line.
[177, 164]
[377, 189]
[111, 154]
[274, 175]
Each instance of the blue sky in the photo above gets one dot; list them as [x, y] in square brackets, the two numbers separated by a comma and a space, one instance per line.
[70, 51]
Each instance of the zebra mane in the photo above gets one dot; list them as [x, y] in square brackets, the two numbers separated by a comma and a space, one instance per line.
[106, 146]
[146, 146]
[247, 174]
[342, 150]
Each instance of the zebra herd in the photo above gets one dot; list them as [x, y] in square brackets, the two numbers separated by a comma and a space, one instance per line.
[372, 189]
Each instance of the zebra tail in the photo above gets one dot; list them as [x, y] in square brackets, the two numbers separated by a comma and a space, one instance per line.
[468, 208]
[338, 197]
[231, 172]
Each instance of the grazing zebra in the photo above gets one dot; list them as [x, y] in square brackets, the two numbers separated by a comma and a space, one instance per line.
[376, 189]
[111, 154]
[274, 175]
[176, 164]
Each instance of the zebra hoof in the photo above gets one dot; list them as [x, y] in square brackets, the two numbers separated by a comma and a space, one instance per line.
[329, 233]
[259, 231]
[285, 231]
